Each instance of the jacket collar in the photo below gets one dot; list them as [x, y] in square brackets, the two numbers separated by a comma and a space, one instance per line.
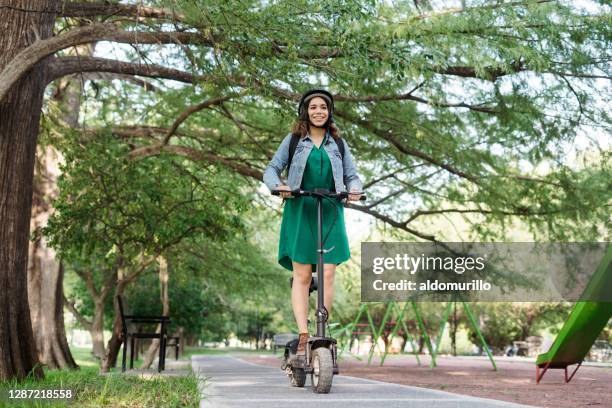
[326, 138]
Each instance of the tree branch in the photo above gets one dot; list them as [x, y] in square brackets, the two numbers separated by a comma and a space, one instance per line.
[198, 156]
[455, 10]
[109, 76]
[520, 212]
[385, 198]
[191, 110]
[29, 56]
[62, 66]
[392, 222]
[388, 136]
[79, 9]
[80, 318]
[88, 278]
[409, 96]
[386, 176]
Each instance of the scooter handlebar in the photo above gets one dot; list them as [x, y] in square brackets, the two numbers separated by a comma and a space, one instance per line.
[341, 195]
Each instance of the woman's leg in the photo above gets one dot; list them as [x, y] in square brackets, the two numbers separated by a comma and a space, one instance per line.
[299, 294]
[328, 291]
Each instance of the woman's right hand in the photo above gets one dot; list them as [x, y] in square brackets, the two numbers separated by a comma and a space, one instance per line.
[284, 188]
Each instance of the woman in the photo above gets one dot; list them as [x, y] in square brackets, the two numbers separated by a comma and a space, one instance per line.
[317, 162]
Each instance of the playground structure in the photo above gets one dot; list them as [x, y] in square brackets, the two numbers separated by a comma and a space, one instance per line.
[394, 322]
[584, 324]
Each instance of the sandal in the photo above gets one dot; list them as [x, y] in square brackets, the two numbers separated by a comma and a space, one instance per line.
[301, 348]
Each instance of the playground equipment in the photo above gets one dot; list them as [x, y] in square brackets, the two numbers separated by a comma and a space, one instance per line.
[321, 352]
[394, 320]
[586, 320]
[470, 315]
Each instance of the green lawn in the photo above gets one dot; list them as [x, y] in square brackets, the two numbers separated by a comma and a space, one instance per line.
[113, 390]
[189, 351]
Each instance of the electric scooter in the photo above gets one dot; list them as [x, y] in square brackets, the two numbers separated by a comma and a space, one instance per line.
[321, 353]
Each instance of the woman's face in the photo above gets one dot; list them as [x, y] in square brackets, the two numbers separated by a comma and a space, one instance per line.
[317, 111]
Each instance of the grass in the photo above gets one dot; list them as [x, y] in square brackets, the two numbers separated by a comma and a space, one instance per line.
[189, 351]
[112, 390]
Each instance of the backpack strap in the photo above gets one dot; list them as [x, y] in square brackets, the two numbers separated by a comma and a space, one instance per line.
[292, 146]
[340, 144]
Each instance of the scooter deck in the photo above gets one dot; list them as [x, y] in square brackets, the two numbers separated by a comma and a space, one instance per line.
[304, 362]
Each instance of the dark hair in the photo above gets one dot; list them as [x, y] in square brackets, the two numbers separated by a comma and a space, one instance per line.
[301, 127]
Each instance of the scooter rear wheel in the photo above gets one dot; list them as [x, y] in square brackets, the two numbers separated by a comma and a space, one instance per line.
[298, 377]
[323, 370]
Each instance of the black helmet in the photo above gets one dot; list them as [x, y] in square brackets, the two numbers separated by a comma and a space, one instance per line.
[303, 114]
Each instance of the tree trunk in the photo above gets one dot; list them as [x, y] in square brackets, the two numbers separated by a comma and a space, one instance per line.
[453, 330]
[97, 330]
[163, 290]
[45, 286]
[95, 327]
[19, 125]
[45, 273]
[114, 343]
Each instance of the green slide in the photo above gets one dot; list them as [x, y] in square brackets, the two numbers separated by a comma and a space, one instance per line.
[585, 323]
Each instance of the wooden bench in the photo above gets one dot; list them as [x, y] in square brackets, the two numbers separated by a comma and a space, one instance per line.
[129, 325]
[281, 340]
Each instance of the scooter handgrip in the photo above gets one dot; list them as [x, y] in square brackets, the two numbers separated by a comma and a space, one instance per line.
[361, 198]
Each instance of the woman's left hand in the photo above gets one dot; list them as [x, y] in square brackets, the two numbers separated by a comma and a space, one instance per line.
[354, 197]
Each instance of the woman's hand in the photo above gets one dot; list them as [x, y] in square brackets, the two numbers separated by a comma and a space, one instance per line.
[284, 188]
[354, 197]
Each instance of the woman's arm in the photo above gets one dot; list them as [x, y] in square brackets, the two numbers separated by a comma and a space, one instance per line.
[351, 178]
[272, 174]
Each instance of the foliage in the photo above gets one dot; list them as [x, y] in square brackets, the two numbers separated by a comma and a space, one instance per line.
[504, 323]
[112, 390]
[113, 207]
[186, 299]
[472, 109]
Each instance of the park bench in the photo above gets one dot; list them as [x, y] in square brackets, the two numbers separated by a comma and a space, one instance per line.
[130, 324]
[281, 340]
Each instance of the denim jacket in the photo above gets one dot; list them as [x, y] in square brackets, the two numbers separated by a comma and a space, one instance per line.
[343, 169]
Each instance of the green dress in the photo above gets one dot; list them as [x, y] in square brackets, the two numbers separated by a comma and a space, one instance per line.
[298, 234]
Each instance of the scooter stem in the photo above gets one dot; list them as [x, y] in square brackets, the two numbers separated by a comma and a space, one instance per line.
[321, 314]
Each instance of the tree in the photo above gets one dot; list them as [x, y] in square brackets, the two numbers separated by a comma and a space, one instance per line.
[20, 109]
[115, 217]
[507, 322]
[45, 271]
[437, 104]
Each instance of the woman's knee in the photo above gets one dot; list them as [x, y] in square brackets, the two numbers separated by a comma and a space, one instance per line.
[330, 271]
[302, 273]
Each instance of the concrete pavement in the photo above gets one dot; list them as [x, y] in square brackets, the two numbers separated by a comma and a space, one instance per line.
[228, 382]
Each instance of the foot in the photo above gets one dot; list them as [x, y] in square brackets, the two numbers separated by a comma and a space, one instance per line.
[301, 348]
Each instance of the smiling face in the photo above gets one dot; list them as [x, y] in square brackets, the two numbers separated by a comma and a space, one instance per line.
[317, 111]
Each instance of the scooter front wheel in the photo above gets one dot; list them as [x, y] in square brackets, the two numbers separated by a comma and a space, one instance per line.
[323, 370]
[298, 377]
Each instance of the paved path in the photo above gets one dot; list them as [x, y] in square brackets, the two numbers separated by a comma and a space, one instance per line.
[229, 382]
